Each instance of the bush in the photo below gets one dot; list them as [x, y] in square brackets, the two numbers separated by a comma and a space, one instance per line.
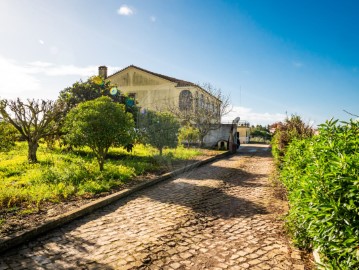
[322, 178]
[8, 135]
[292, 128]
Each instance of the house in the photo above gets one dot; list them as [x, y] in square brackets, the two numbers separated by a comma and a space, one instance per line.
[157, 92]
[243, 131]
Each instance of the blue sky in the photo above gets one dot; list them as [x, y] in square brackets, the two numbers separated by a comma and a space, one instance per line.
[271, 57]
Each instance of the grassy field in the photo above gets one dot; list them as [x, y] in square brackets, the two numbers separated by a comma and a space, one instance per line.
[58, 175]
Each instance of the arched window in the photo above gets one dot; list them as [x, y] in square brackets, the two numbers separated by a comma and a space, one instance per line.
[185, 100]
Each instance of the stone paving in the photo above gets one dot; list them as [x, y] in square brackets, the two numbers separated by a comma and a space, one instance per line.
[220, 216]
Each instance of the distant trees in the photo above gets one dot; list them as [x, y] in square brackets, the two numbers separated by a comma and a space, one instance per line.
[260, 133]
[202, 115]
[34, 120]
[159, 129]
[99, 124]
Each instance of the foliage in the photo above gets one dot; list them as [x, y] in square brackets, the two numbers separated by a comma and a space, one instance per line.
[188, 134]
[260, 133]
[58, 176]
[159, 129]
[322, 177]
[99, 124]
[94, 88]
[292, 128]
[8, 135]
[34, 120]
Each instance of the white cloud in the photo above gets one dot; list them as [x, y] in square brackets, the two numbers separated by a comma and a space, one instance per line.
[152, 18]
[40, 79]
[41, 42]
[252, 117]
[125, 11]
[15, 80]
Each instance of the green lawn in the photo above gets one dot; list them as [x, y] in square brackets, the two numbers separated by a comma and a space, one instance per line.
[60, 175]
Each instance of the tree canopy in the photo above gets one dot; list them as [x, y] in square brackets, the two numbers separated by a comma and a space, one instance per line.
[99, 124]
[159, 129]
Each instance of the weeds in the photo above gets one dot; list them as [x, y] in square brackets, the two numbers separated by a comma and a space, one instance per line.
[58, 176]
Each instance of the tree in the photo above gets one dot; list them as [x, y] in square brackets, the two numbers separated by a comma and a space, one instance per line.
[203, 116]
[8, 135]
[99, 124]
[93, 88]
[189, 134]
[260, 133]
[34, 120]
[159, 129]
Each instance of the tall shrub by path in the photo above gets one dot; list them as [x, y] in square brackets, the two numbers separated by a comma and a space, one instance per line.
[99, 124]
[322, 177]
[292, 128]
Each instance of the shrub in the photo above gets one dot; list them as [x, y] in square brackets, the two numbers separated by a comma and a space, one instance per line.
[292, 128]
[8, 135]
[322, 178]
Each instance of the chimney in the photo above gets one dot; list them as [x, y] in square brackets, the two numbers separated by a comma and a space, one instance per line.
[102, 72]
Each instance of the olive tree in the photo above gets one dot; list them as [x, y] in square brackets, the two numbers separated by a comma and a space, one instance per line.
[159, 129]
[34, 119]
[99, 124]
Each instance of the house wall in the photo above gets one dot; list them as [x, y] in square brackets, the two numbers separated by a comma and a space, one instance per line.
[244, 134]
[155, 93]
[220, 134]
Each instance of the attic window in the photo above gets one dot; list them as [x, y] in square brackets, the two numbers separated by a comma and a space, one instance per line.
[185, 100]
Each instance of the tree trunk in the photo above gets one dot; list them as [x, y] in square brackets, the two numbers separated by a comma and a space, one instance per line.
[33, 145]
[101, 163]
[160, 151]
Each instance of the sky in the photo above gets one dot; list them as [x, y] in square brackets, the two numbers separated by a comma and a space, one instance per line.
[273, 58]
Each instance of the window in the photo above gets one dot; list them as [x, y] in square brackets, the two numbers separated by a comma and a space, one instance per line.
[185, 100]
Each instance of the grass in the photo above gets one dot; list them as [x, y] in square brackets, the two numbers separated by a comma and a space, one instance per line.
[58, 175]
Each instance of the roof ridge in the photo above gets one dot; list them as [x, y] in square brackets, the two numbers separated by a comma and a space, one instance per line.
[171, 79]
[180, 83]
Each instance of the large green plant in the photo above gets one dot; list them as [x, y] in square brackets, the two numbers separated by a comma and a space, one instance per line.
[99, 124]
[292, 128]
[159, 129]
[322, 178]
[8, 135]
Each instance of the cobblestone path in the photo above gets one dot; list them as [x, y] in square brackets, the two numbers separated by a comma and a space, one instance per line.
[220, 216]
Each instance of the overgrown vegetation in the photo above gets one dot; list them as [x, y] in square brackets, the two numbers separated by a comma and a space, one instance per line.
[321, 174]
[292, 128]
[58, 176]
[8, 135]
[260, 134]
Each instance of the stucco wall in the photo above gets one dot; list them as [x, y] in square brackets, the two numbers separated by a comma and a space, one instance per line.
[153, 92]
